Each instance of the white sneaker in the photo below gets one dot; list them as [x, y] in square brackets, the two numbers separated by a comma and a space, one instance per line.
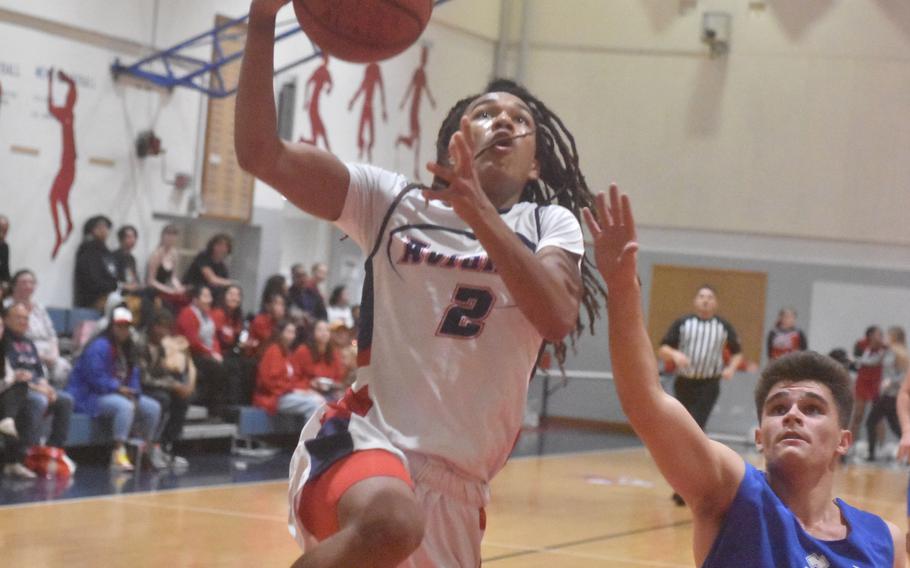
[157, 458]
[69, 463]
[18, 470]
[179, 462]
[8, 427]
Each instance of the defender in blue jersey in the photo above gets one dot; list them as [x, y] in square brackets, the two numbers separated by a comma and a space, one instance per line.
[742, 517]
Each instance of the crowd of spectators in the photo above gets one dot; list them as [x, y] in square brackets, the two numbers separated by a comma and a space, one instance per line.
[160, 344]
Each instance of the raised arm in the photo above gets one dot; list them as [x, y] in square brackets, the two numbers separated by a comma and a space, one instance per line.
[903, 414]
[426, 87]
[50, 93]
[312, 179]
[406, 94]
[705, 473]
[385, 114]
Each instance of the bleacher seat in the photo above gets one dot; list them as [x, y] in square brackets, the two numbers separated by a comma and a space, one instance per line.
[60, 317]
[84, 431]
[79, 315]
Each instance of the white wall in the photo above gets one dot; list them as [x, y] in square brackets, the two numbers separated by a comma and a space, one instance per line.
[108, 117]
[799, 131]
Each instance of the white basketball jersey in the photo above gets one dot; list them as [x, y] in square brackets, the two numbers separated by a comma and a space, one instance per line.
[444, 349]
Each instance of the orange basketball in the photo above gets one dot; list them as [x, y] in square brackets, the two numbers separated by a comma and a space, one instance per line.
[362, 31]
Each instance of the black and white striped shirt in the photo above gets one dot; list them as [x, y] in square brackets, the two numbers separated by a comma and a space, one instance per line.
[702, 341]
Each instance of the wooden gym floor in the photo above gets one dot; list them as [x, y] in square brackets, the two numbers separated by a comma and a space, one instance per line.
[602, 508]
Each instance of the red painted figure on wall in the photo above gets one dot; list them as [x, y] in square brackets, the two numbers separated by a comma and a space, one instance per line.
[415, 91]
[63, 183]
[319, 80]
[371, 78]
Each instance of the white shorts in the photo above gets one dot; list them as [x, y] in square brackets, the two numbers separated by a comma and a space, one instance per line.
[452, 502]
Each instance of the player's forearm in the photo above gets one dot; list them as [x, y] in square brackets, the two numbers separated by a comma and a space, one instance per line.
[667, 353]
[735, 362]
[903, 405]
[634, 368]
[548, 298]
[255, 119]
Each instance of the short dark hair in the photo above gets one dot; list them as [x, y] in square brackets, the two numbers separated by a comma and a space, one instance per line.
[19, 274]
[870, 331]
[335, 297]
[196, 291]
[706, 287]
[122, 231]
[808, 366]
[94, 221]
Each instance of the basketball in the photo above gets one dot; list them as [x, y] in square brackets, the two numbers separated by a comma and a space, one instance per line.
[363, 31]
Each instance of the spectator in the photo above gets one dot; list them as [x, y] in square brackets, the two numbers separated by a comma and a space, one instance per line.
[42, 398]
[169, 377]
[276, 284]
[319, 359]
[95, 276]
[785, 337]
[40, 327]
[312, 301]
[13, 392]
[209, 268]
[280, 388]
[339, 307]
[695, 345]
[299, 280]
[125, 262]
[233, 338]
[161, 274]
[216, 387]
[839, 354]
[869, 355]
[894, 368]
[263, 325]
[128, 276]
[4, 252]
[105, 384]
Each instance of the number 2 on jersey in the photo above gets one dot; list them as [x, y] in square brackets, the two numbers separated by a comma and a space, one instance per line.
[464, 316]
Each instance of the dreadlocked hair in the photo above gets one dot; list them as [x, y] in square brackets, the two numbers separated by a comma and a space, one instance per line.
[560, 181]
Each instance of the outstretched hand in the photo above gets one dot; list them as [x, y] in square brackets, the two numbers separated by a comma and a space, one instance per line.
[464, 191]
[614, 236]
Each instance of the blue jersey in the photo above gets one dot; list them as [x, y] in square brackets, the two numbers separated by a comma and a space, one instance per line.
[760, 531]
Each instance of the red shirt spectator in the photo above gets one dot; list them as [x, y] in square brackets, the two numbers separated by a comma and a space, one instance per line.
[276, 377]
[330, 367]
[196, 324]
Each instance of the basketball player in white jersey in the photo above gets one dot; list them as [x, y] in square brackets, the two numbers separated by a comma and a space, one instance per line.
[465, 282]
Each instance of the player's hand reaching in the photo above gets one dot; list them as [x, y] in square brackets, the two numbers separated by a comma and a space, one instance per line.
[614, 237]
[464, 191]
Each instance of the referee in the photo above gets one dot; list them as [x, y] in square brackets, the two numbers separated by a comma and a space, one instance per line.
[695, 345]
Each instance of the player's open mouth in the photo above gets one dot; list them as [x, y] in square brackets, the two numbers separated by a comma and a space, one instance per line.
[502, 141]
[792, 436]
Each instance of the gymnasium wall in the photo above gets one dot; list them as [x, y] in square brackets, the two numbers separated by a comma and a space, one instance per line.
[84, 38]
[792, 281]
[800, 130]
